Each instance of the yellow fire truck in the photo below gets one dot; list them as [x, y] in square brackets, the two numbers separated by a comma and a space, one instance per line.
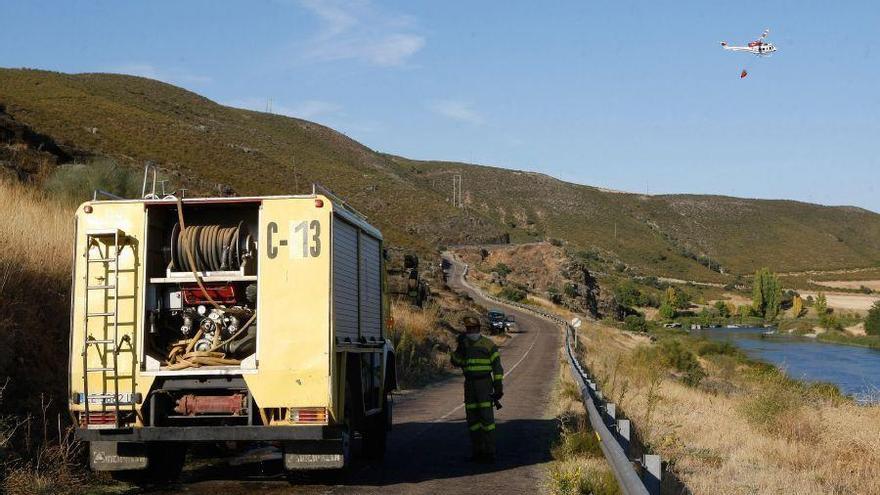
[246, 320]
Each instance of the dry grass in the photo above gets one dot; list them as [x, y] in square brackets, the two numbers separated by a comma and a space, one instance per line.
[37, 233]
[578, 467]
[752, 431]
[35, 256]
[419, 344]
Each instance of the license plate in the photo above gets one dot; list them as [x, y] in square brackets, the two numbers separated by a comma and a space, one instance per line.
[102, 399]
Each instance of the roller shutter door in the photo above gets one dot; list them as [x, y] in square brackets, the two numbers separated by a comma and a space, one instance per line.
[345, 280]
[371, 287]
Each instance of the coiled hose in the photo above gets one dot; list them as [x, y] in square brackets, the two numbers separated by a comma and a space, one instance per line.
[213, 247]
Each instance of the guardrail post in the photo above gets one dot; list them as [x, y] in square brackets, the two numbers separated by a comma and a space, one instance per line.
[623, 431]
[651, 476]
[611, 410]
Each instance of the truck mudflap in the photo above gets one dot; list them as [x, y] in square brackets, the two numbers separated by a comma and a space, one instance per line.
[311, 455]
[117, 456]
[211, 434]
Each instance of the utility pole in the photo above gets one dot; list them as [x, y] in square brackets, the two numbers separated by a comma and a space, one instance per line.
[456, 191]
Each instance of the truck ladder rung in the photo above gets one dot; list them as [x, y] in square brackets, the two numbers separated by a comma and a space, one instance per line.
[98, 370]
[101, 260]
[99, 287]
[108, 313]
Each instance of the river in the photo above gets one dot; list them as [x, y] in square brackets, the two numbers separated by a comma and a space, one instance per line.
[855, 370]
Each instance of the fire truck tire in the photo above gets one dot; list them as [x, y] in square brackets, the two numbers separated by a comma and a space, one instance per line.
[376, 432]
[165, 462]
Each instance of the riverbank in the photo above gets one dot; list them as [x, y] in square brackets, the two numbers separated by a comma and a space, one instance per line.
[730, 424]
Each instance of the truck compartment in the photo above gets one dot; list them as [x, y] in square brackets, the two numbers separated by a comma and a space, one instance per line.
[201, 288]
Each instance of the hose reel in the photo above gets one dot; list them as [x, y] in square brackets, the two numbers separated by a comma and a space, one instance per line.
[214, 247]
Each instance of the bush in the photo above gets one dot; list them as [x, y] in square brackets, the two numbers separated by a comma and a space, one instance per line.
[667, 311]
[707, 348]
[723, 309]
[675, 355]
[513, 294]
[635, 323]
[502, 269]
[75, 183]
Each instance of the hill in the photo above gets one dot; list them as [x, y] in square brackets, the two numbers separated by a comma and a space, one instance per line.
[205, 146]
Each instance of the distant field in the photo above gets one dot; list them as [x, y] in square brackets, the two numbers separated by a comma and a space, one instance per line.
[850, 284]
[853, 302]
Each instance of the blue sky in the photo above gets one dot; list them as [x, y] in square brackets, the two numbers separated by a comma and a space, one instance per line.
[636, 96]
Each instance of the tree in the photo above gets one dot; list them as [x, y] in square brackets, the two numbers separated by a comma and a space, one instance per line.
[671, 297]
[872, 321]
[627, 293]
[667, 311]
[797, 306]
[821, 304]
[766, 294]
[723, 309]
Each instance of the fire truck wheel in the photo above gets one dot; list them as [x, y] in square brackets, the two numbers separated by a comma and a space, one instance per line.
[376, 433]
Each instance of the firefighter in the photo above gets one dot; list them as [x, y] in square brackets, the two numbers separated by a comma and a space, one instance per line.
[478, 357]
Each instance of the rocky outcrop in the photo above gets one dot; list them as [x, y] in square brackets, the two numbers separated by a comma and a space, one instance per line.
[582, 293]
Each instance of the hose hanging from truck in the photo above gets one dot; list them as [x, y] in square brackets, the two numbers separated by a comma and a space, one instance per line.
[187, 248]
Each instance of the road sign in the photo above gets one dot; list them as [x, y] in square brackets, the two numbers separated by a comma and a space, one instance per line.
[576, 322]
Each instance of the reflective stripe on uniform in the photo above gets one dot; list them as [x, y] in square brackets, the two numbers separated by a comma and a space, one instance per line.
[478, 368]
[498, 377]
[481, 426]
[478, 405]
[479, 361]
[494, 356]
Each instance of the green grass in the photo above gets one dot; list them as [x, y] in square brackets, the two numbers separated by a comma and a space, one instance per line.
[870, 341]
[200, 145]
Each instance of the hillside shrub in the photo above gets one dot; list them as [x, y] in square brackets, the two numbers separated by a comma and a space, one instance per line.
[502, 269]
[635, 323]
[75, 183]
[677, 356]
[513, 294]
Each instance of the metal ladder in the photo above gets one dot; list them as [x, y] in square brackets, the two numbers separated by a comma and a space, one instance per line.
[109, 344]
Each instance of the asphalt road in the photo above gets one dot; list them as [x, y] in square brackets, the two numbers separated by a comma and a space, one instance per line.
[428, 444]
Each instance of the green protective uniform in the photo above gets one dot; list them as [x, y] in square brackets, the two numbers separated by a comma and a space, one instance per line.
[483, 377]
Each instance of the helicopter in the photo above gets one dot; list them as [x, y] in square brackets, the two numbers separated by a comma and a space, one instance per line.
[758, 47]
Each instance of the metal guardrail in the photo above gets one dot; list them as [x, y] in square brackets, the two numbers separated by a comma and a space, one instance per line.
[614, 434]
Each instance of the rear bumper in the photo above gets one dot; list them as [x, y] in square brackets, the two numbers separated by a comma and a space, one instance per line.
[211, 433]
